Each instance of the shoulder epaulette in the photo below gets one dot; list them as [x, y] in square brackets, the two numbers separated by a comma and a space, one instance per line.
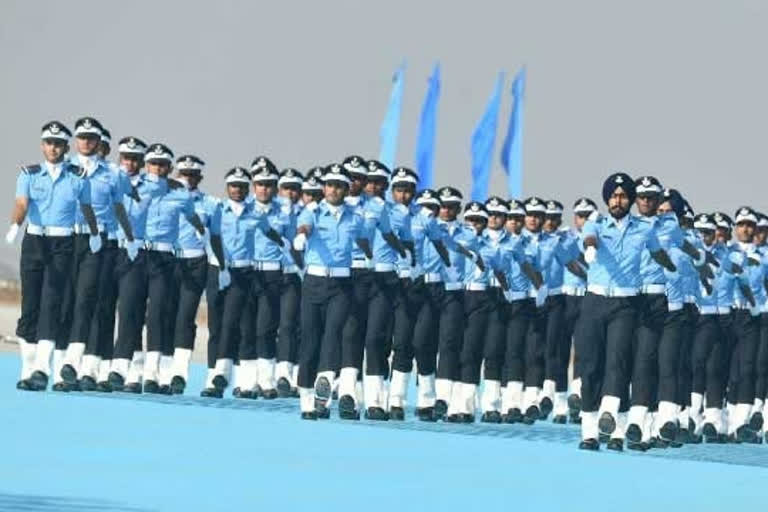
[76, 169]
[173, 184]
[31, 169]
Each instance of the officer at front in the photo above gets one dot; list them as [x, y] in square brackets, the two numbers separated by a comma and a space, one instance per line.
[612, 249]
[326, 234]
[47, 196]
[82, 359]
[191, 268]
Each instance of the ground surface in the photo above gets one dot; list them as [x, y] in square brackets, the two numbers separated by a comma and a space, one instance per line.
[78, 452]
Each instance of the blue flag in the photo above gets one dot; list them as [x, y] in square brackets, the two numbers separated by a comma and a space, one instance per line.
[425, 144]
[390, 128]
[483, 140]
[512, 151]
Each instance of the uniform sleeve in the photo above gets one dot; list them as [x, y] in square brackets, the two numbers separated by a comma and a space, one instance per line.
[214, 220]
[84, 194]
[22, 185]
[189, 207]
[306, 218]
[669, 233]
[652, 242]
[383, 221]
[117, 190]
[405, 231]
[590, 229]
[565, 251]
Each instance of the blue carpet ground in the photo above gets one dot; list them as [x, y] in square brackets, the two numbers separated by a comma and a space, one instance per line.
[83, 452]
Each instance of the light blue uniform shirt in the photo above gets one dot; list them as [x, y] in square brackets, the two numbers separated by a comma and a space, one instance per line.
[494, 257]
[619, 249]
[208, 209]
[148, 186]
[570, 279]
[164, 211]
[516, 248]
[466, 237]
[292, 211]
[726, 281]
[107, 189]
[669, 235]
[675, 287]
[264, 248]
[545, 250]
[374, 214]
[400, 224]
[753, 275]
[425, 229]
[333, 237]
[238, 232]
[52, 203]
[569, 252]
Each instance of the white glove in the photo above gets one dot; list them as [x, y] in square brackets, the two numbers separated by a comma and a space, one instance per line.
[541, 295]
[132, 248]
[300, 242]
[452, 275]
[590, 254]
[13, 232]
[225, 279]
[95, 243]
[508, 295]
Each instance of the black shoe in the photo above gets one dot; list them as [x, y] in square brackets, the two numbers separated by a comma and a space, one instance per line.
[574, 404]
[657, 442]
[38, 381]
[283, 388]
[589, 444]
[513, 416]
[103, 387]
[242, 393]
[257, 392]
[466, 418]
[269, 394]
[732, 439]
[294, 392]
[683, 437]
[178, 385]
[347, 409]
[638, 447]
[603, 438]
[756, 422]
[311, 415]
[116, 381]
[219, 382]
[323, 413]
[607, 423]
[323, 393]
[709, 431]
[335, 394]
[668, 431]
[152, 387]
[211, 393]
[24, 385]
[452, 418]
[133, 387]
[745, 434]
[545, 407]
[560, 419]
[616, 445]
[441, 409]
[87, 383]
[491, 417]
[426, 414]
[531, 415]
[634, 434]
[61, 387]
[376, 414]
[165, 389]
[68, 374]
[574, 418]
[396, 414]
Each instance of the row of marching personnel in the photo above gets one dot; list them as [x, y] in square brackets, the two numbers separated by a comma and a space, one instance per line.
[336, 286]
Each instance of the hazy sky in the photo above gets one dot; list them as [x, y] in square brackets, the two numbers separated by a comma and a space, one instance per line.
[672, 88]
